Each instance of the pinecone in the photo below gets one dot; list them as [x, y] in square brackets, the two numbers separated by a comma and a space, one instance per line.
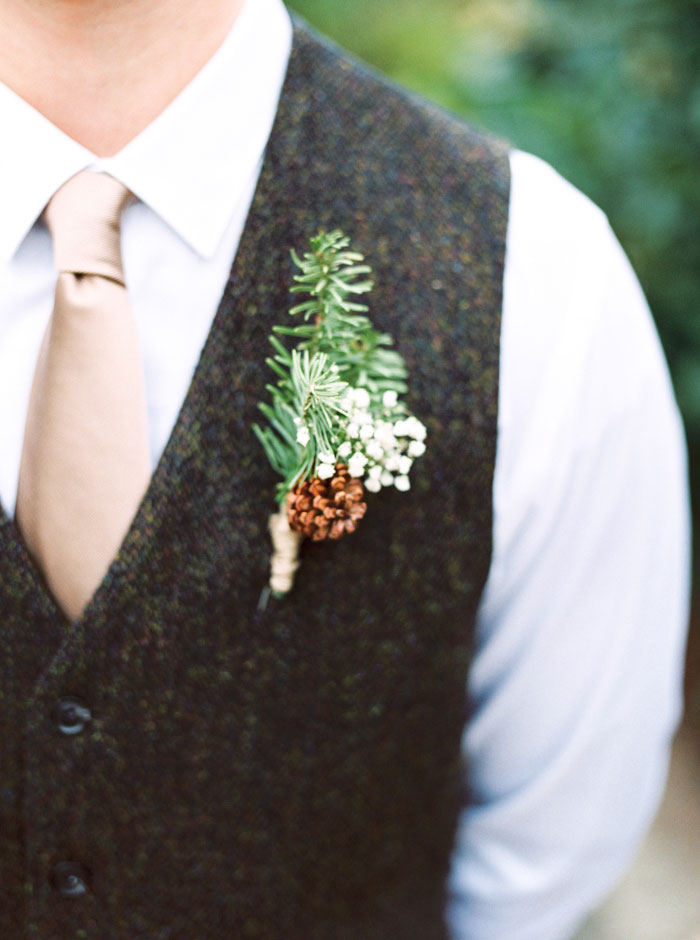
[326, 509]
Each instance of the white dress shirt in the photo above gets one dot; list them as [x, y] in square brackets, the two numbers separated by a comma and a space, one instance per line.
[575, 687]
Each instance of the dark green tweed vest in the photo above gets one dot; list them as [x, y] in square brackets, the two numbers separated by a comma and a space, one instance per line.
[291, 775]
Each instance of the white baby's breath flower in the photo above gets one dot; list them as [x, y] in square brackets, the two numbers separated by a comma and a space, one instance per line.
[303, 436]
[327, 457]
[352, 430]
[372, 485]
[325, 471]
[356, 467]
[366, 432]
[375, 472]
[416, 449]
[386, 478]
[415, 428]
[345, 449]
[405, 464]
[374, 450]
[389, 399]
[391, 463]
[385, 435]
[362, 418]
[402, 483]
[400, 428]
[361, 398]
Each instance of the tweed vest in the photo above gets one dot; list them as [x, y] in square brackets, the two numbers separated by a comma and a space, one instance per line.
[177, 765]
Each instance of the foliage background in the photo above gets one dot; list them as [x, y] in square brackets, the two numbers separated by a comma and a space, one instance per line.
[608, 91]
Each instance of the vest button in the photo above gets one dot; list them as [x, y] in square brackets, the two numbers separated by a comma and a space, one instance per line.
[70, 879]
[72, 716]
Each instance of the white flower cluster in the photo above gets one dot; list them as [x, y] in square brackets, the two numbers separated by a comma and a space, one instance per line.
[379, 447]
[303, 436]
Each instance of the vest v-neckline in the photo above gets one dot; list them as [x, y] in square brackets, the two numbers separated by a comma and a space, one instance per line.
[266, 209]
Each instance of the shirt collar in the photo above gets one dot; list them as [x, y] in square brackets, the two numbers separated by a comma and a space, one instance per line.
[191, 165]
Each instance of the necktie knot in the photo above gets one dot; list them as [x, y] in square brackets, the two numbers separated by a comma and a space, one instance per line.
[84, 219]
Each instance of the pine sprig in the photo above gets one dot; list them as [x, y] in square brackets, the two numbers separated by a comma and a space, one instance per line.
[337, 350]
[331, 275]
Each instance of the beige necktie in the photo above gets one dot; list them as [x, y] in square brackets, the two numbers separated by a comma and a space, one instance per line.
[85, 462]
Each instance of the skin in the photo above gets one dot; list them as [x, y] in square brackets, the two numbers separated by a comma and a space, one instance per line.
[102, 70]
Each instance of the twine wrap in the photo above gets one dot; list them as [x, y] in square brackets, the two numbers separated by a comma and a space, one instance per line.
[285, 552]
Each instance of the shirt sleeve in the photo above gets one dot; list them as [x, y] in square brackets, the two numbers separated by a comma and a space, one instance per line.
[575, 690]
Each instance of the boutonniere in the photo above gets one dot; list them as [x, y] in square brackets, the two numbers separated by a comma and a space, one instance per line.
[337, 427]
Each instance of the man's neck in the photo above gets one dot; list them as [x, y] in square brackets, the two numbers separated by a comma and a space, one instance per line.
[102, 70]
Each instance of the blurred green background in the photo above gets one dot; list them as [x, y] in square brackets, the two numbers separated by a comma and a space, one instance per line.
[608, 91]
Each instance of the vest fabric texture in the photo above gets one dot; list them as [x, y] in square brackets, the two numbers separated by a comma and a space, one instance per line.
[292, 774]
